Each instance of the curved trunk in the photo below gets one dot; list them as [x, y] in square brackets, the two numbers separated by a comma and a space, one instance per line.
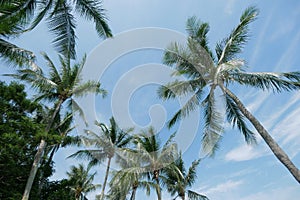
[158, 189]
[106, 177]
[132, 197]
[278, 152]
[39, 154]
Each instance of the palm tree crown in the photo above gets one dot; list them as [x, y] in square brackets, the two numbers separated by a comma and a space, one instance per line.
[106, 144]
[179, 180]
[81, 181]
[204, 69]
[155, 157]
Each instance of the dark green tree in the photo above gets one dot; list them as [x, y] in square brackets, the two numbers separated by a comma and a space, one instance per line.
[217, 72]
[57, 190]
[20, 132]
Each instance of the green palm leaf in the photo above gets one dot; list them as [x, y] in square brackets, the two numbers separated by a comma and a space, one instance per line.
[93, 10]
[277, 82]
[232, 45]
[236, 118]
[62, 25]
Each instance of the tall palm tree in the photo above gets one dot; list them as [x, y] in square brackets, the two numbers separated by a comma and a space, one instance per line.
[217, 71]
[178, 181]
[106, 144]
[15, 16]
[81, 181]
[58, 88]
[155, 157]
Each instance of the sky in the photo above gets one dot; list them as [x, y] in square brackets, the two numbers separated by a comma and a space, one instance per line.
[237, 171]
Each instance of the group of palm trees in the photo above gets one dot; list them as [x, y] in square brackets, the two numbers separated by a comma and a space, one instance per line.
[144, 163]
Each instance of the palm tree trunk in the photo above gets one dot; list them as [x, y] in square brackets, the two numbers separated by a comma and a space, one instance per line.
[132, 197]
[278, 152]
[158, 190]
[39, 154]
[106, 177]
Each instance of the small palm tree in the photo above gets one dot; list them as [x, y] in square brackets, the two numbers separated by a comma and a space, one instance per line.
[130, 177]
[155, 157]
[178, 180]
[81, 181]
[15, 16]
[57, 88]
[217, 72]
[106, 145]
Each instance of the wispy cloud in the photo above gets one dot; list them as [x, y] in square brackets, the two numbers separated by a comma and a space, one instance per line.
[229, 6]
[224, 187]
[246, 152]
[291, 193]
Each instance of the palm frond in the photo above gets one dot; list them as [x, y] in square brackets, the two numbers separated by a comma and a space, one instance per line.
[44, 8]
[62, 24]
[94, 156]
[178, 88]
[236, 118]
[189, 106]
[232, 45]
[17, 14]
[13, 54]
[196, 196]
[180, 58]
[201, 59]
[277, 82]
[213, 125]
[192, 173]
[54, 74]
[76, 108]
[92, 10]
[198, 30]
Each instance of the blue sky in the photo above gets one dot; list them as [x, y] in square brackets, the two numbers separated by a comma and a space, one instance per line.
[238, 171]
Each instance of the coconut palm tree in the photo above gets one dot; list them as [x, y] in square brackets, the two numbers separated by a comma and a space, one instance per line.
[217, 72]
[15, 16]
[155, 157]
[106, 144]
[178, 181]
[81, 181]
[58, 88]
[130, 177]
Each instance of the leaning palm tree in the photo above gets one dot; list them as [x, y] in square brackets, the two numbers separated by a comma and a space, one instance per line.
[81, 181]
[217, 72]
[58, 88]
[15, 16]
[155, 157]
[178, 181]
[106, 144]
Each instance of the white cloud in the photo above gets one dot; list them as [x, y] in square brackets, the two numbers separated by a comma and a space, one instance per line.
[290, 193]
[246, 152]
[287, 129]
[224, 187]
